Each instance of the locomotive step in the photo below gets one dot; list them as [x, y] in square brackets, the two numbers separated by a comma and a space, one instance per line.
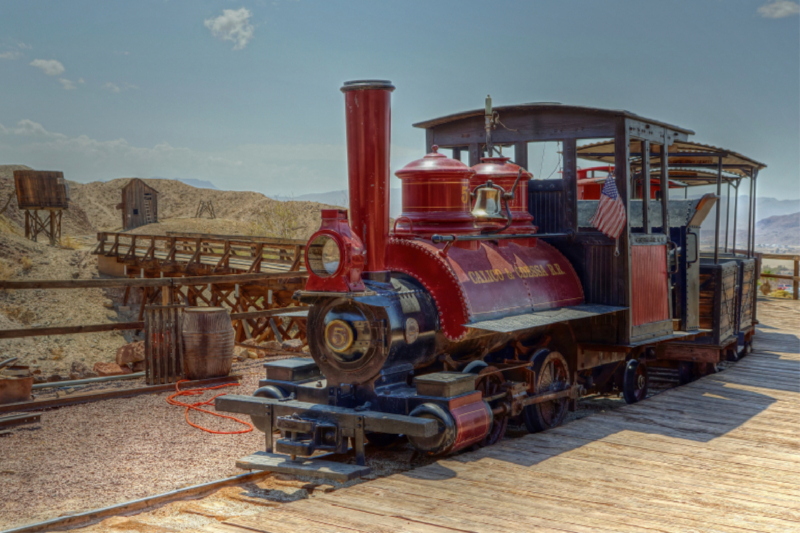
[319, 468]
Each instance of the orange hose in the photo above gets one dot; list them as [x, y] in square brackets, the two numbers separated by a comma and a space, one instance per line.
[196, 406]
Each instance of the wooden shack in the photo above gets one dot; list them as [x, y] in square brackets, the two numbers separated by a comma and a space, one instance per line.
[42, 190]
[139, 204]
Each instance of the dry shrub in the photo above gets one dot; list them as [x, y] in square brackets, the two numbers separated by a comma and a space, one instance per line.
[57, 352]
[6, 272]
[70, 243]
[20, 314]
[279, 219]
[26, 262]
[780, 294]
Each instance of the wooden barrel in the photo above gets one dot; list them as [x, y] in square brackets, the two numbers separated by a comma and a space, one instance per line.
[208, 339]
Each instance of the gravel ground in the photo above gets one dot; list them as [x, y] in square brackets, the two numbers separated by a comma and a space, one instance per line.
[88, 456]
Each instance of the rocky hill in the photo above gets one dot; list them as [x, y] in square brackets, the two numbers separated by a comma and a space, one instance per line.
[774, 231]
[177, 200]
[783, 230]
[93, 208]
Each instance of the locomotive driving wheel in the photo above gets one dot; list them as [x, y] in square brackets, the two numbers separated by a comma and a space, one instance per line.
[490, 382]
[552, 375]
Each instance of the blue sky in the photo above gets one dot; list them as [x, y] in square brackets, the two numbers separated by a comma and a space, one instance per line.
[246, 93]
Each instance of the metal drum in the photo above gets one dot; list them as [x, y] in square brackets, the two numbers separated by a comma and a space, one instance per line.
[208, 339]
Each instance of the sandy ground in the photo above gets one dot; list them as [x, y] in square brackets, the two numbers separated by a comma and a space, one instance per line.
[61, 307]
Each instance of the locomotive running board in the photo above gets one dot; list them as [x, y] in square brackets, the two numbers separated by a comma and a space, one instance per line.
[537, 319]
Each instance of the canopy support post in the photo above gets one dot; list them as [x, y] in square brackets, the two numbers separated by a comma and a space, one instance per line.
[646, 222]
[521, 154]
[665, 187]
[719, 194]
[735, 211]
[755, 190]
[664, 161]
[750, 214]
[727, 216]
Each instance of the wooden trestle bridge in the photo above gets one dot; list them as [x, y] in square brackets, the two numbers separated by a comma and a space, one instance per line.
[275, 268]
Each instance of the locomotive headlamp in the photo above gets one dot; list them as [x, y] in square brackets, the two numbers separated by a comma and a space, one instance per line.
[334, 256]
[324, 256]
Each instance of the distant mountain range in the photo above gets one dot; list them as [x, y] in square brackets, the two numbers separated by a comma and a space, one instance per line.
[782, 230]
[342, 199]
[765, 208]
[197, 184]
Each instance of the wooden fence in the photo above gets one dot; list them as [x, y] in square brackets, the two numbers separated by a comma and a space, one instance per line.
[261, 304]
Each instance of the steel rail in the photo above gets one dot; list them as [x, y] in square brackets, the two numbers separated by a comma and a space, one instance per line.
[38, 405]
[85, 518]
[71, 383]
[93, 516]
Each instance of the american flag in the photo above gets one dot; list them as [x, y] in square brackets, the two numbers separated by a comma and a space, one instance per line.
[610, 215]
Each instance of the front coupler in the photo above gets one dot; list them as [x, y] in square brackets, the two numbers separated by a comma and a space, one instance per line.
[307, 427]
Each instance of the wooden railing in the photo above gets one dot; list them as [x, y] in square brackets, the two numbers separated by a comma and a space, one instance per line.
[795, 278]
[210, 252]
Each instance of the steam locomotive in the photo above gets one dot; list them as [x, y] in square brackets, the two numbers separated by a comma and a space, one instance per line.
[463, 316]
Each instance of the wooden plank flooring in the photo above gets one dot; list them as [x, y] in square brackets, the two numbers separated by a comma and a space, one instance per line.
[719, 455]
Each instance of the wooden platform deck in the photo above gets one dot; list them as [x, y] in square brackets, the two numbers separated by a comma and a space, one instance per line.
[719, 455]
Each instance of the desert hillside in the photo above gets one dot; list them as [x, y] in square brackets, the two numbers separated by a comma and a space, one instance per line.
[783, 230]
[93, 208]
[771, 232]
[177, 200]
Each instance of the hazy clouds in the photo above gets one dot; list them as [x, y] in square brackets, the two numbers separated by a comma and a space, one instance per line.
[271, 169]
[233, 25]
[779, 9]
[51, 67]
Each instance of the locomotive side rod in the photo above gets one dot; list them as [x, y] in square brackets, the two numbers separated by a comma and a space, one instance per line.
[572, 393]
[436, 239]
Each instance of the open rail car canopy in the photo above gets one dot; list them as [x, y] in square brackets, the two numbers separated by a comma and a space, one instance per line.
[694, 178]
[681, 154]
[545, 107]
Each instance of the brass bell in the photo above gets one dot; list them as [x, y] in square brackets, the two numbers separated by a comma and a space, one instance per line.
[488, 202]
